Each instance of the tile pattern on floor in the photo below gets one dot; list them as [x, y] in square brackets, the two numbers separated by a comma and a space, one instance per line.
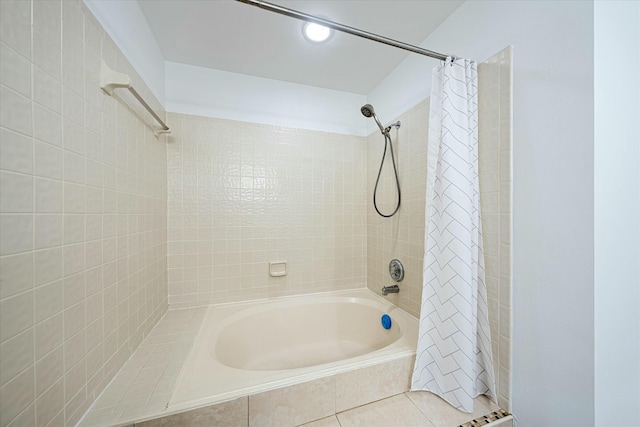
[411, 409]
[441, 414]
[394, 411]
[145, 383]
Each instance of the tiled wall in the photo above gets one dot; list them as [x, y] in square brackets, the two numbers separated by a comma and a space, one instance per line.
[402, 236]
[243, 194]
[82, 215]
[494, 132]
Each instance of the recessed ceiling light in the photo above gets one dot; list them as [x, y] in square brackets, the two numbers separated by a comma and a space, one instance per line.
[316, 33]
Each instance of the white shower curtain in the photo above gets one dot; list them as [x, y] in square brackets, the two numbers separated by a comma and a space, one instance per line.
[453, 357]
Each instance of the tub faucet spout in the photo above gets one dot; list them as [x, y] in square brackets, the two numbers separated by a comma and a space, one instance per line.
[394, 289]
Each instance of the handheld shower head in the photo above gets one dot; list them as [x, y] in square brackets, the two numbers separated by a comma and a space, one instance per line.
[368, 111]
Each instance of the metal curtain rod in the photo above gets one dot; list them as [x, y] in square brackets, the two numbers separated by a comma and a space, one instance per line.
[344, 28]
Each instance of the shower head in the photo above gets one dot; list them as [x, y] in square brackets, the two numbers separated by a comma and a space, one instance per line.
[368, 111]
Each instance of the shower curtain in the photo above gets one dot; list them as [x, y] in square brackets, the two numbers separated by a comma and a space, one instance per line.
[453, 358]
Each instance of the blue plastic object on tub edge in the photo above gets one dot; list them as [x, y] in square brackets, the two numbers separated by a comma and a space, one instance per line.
[386, 321]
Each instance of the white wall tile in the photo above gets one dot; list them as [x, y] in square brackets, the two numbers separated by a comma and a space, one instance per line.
[21, 7]
[49, 404]
[49, 368]
[16, 274]
[16, 193]
[93, 118]
[16, 152]
[74, 228]
[48, 298]
[72, 30]
[47, 20]
[16, 354]
[75, 349]
[48, 336]
[74, 167]
[26, 418]
[72, 75]
[95, 198]
[48, 195]
[15, 111]
[92, 70]
[47, 265]
[46, 55]
[15, 30]
[73, 137]
[93, 227]
[15, 71]
[72, 106]
[73, 256]
[47, 230]
[47, 160]
[75, 197]
[47, 90]
[94, 173]
[73, 289]
[16, 315]
[16, 395]
[16, 233]
[74, 319]
[47, 125]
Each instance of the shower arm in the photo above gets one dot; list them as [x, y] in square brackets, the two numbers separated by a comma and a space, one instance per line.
[345, 29]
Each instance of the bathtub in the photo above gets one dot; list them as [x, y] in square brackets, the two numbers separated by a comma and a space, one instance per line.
[247, 348]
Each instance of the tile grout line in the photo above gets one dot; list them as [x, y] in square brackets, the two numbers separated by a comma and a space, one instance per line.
[33, 227]
[406, 393]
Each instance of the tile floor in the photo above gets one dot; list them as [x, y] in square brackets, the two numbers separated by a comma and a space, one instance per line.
[406, 410]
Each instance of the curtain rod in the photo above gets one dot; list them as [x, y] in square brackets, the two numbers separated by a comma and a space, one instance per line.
[344, 28]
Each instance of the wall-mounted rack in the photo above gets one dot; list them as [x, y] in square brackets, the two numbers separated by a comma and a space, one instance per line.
[111, 80]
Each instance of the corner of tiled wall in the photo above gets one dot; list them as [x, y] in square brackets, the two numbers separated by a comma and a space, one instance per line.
[82, 214]
[495, 192]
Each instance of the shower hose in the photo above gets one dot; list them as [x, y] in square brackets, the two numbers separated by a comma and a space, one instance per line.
[387, 141]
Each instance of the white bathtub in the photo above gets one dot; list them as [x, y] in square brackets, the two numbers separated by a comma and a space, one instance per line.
[247, 348]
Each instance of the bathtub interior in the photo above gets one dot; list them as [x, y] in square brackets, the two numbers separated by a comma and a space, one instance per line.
[269, 340]
[232, 357]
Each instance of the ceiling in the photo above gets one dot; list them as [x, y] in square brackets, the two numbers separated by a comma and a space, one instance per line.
[231, 36]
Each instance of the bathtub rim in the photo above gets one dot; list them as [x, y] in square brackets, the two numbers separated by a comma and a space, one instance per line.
[383, 355]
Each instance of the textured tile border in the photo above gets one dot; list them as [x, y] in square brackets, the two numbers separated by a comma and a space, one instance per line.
[486, 419]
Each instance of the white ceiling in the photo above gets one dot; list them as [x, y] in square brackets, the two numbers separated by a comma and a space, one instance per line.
[232, 36]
